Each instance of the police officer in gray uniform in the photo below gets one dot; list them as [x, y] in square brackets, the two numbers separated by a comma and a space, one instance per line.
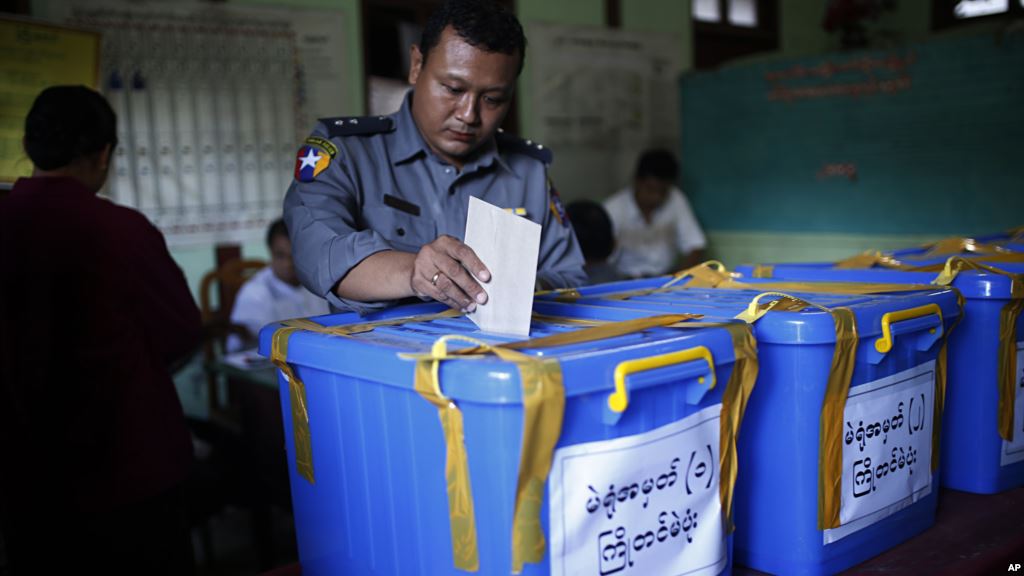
[378, 208]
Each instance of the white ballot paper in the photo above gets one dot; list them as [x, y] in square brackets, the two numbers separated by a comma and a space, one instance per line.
[508, 245]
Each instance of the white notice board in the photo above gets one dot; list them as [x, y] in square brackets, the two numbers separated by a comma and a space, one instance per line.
[212, 103]
[599, 97]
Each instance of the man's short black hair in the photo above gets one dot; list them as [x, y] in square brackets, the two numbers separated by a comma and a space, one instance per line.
[277, 228]
[481, 23]
[658, 163]
[66, 123]
[593, 229]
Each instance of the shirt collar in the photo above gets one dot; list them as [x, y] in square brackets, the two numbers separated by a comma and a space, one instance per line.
[407, 142]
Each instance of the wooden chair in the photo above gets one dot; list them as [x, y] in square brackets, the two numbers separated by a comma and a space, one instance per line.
[227, 280]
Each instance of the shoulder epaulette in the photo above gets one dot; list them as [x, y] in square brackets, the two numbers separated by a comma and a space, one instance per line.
[358, 125]
[516, 145]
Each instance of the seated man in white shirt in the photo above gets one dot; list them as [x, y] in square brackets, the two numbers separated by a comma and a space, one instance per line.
[273, 293]
[655, 229]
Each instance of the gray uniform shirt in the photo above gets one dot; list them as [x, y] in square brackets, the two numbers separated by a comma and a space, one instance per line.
[383, 189]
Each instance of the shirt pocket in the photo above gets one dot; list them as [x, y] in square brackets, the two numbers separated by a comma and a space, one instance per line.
[405, 224]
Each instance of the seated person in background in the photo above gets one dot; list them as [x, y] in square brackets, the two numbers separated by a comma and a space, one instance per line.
[378, 207]
[94, 313]
[272, 294]
[655, 229]
[594, 232]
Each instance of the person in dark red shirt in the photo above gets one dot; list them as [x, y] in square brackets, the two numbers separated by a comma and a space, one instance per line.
[93, 315]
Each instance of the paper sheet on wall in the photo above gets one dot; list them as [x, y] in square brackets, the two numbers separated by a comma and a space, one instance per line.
[600, 96]
[508, 245]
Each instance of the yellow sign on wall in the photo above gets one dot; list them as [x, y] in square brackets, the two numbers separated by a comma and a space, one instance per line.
[37, 55]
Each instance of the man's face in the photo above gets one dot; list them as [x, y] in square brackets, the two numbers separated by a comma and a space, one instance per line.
[650, 194]
[462, 95]
[281, 259]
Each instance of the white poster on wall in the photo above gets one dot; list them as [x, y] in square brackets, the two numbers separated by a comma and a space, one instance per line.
[213, 101]
[642, 504]
[887, 448]
[1013, 451]
[598, 98]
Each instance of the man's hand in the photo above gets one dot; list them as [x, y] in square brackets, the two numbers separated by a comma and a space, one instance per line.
[441, 271]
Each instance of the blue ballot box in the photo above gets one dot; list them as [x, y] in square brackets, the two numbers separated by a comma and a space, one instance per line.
[983, 392]
[837, 445]
[418, 445]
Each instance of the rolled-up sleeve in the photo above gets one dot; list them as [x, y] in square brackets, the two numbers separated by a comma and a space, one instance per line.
[560, 263]
[328, 239]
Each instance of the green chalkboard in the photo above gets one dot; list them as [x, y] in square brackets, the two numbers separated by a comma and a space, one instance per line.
[926, 139]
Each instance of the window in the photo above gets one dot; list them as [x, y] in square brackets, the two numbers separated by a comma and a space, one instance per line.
[738, 12]
[727, 29]
[975, 8]
[707, 10]
[743, 13]
[947, 13]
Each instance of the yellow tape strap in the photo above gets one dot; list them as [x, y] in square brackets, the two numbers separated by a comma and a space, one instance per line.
[956, 264]
[941, 379]
[795, 286]
[734, 405]
[1009, 316]
[561, 294]
[552, 319]
[708, 276]
[600, 332]
[704, 275]
[462, 517]
[830, 468]
[763, 271]
[955, 245]
[1002, 258]
[349, 329]
[786, 303]
[297, 399]
[868, 259]
[862, 288]
[543, 409]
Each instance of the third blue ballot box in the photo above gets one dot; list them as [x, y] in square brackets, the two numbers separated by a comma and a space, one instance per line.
[419, 445]
[983, 423]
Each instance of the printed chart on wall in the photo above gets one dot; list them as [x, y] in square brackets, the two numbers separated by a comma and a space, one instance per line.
[598, 97]
[37, 55]
[212, 102]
